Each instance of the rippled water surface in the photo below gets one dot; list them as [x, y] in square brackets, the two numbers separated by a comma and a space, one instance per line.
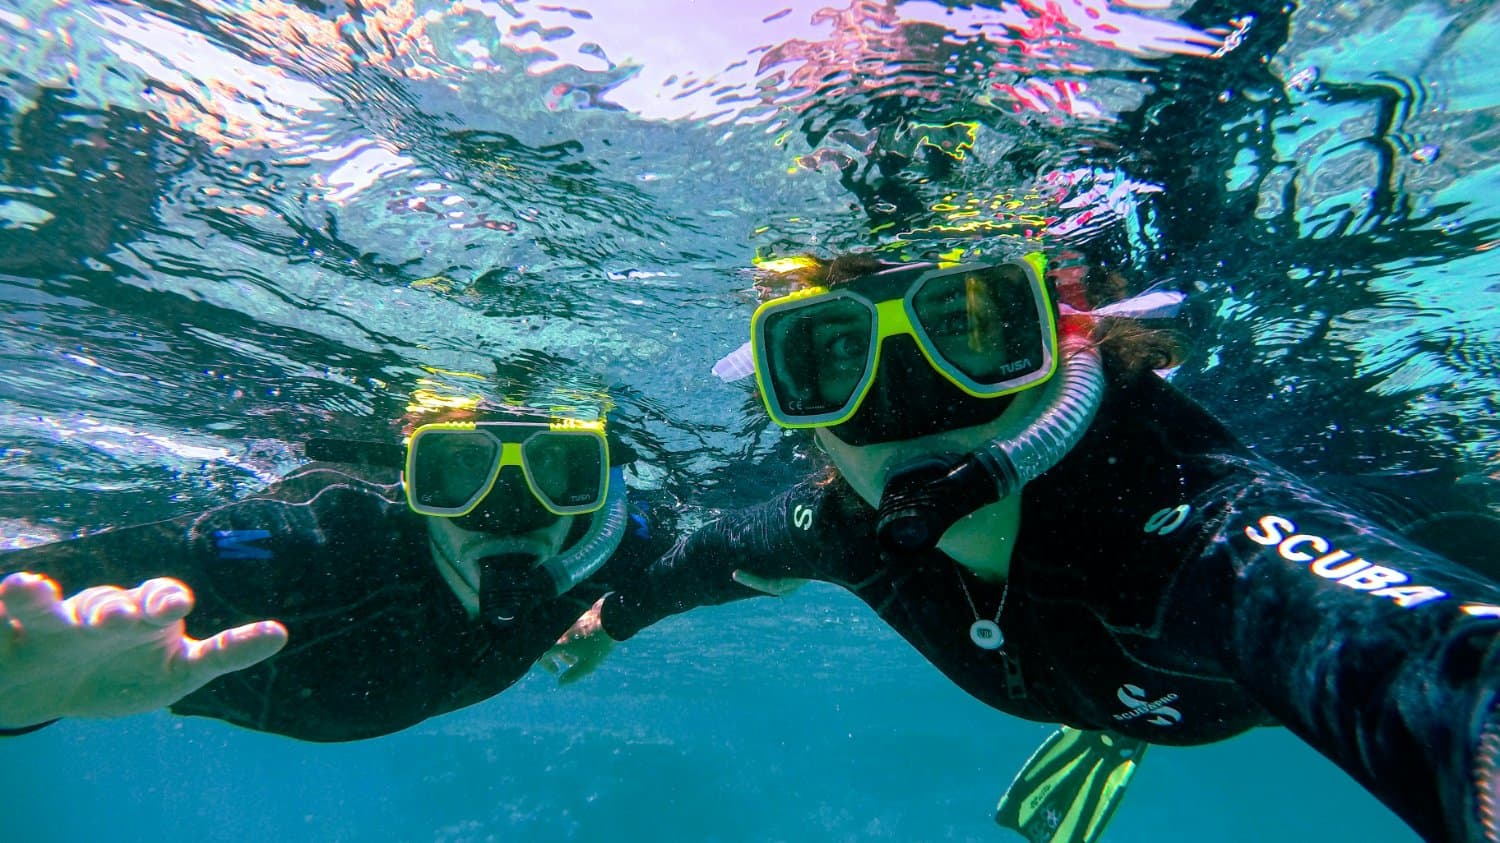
[228, 226]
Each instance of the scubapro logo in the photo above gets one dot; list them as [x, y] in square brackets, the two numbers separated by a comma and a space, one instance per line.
[1160, 712]
[1341, 566]
[802, 516]
[1164, 521]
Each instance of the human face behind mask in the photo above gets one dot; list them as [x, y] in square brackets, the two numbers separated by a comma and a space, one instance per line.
[852, 357]
[502, 498]
[966, 347]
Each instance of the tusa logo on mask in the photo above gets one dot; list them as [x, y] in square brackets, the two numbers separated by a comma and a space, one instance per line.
[1341, 566]
[1022, 365]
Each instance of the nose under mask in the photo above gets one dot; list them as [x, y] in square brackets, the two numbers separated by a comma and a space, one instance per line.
[509, 509]
[909, 400]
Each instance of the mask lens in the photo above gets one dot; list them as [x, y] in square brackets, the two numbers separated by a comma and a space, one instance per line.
[450, 469]
[984, 323]
[818, 355]
[567, 469]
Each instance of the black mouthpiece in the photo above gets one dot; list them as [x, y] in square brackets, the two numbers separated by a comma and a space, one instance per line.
[922, 502]
[509, 585]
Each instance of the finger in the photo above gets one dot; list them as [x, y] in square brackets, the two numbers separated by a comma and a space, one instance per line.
[164, 600]
[548, 662]
[105, 607]
[26, 596]
[234, 649]
[579, 670]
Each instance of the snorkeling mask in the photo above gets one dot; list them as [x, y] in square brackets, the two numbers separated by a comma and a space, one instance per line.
[452, 468]
[963, 337]
[559, 467]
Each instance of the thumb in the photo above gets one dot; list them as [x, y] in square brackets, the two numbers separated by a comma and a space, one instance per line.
[584, 665]
[234, 649]
[774, 586]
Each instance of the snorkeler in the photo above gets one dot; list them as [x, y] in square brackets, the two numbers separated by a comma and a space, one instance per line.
[406, 581]
[1072, 540]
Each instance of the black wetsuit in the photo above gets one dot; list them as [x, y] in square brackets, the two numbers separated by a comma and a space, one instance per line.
[378, 641]
[1169, 585]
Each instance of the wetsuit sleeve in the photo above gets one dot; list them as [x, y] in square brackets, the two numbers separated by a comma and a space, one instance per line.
[377, 642]
[1383, 656]
[779, 538]
[122, 557]
[11, 733]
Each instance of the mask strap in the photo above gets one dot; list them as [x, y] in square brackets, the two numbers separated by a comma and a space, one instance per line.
[1158, 304]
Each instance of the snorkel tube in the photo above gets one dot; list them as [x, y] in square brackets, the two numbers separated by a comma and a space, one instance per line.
[579, 562]
[920, 504]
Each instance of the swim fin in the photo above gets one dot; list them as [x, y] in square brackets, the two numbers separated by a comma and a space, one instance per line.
[1070, 786]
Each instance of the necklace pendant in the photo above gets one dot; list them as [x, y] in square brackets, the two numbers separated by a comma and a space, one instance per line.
[986, 635]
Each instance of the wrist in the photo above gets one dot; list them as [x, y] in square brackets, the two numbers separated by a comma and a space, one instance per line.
[601, 612]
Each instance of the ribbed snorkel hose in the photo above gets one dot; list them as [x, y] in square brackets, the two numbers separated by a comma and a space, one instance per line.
[597, 545]
[1064, 417]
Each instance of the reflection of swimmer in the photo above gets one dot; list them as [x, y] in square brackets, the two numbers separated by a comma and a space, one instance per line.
[1070, 539]
[395, 601]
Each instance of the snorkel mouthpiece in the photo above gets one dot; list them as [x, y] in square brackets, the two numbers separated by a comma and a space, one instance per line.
[508, 584]
[920, 503]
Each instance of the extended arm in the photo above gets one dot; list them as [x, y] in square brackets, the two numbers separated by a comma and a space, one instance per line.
[113, 647]
[109, 651]
[1381, 655]
[749, 553]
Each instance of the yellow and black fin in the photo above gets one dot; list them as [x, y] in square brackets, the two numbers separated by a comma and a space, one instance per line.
[1070, 786]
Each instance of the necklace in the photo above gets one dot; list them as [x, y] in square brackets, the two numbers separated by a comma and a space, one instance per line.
[986, 635]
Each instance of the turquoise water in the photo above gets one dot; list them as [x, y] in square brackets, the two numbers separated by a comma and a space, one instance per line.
[689, 733]
[228, 226]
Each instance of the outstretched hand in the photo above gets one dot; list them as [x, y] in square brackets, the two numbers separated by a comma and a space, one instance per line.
[581, 649]
[109, 651]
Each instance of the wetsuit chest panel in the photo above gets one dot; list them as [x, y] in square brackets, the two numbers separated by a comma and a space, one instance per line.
[924, 601]
[1106, 574]
[1113, 524]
